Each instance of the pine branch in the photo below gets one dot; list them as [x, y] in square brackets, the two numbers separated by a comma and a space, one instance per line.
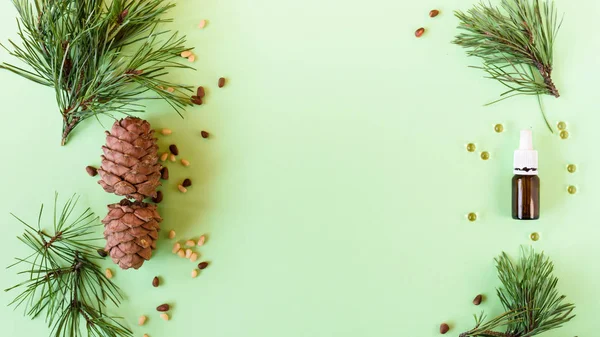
[529, 296]
[100, 57]
[515, 43]
[63, 281]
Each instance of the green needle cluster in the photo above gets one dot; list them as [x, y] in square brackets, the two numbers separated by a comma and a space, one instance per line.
[63, 283]
[515, 43]
[101, 57]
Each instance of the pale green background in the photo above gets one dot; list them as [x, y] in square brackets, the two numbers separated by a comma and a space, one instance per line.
[336, 183]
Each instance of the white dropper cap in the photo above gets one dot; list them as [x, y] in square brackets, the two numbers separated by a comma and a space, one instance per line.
[526, 158]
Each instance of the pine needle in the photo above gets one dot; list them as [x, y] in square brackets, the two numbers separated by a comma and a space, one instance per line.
[63, 281]
[100, 56]
[529, 296]
[515, 43]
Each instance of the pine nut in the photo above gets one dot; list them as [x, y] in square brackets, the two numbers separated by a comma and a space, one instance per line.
[170, 89]
[164, 316]
[185, 162]
[194, 273]
[190, 243]
[171, 234]
[164, 156]
[166, 132]
[176, 247]
[202, 24]
[181, 253]
[201, 240]
[194, 257]
[172, 158]
[188, 253]
[186, 54]
[182, 189]
[142, 320]
[92, 171]
[192, 58]
[145, 335]
[108, 273]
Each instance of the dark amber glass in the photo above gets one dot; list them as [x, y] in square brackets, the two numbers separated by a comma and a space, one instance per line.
[526, 197]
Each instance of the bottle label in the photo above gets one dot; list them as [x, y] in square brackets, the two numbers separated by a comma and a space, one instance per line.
[526, 171]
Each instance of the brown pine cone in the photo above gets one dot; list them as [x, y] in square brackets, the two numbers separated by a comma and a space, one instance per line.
[131, 230]
[130, 164]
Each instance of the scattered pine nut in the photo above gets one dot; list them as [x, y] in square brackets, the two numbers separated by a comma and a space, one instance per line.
[221, 82]
[176, 247]
[171, 89]
[188, 253]
[200, 92]
[181, 253]
[182, 189]
[434, 13]
[172, 157]
[108, 273]
[194, 273]
[190, 243]
[174, 150]
[166, 132]
[142, 320]
[185, 162]
[202, 24]
[155, 281]
[192, 58]
[164, 316]
[419, 32]
[164, 173]
[92, 171]
[164, 156]
[163, 307]
[187, 182]
[145, 335]
[202, 265]
[171, 234]
[204, 134]
[186, 54]
[194, 257]
[201, 240]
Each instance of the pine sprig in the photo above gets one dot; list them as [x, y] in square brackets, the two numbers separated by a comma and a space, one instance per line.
[529, 296]
[100, 56]
[63, 281]
[515, 43]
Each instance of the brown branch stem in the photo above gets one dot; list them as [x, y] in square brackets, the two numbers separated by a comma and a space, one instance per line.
[486, 333]
[546, 73]
[68, 126]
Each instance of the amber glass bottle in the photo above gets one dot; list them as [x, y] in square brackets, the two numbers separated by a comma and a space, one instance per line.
[526, 183]
[526, 197]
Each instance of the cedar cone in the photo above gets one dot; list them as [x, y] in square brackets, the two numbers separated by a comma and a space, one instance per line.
[131, 230]
[130, 165]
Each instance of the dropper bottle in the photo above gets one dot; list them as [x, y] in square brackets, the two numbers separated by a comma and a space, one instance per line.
[526, 183]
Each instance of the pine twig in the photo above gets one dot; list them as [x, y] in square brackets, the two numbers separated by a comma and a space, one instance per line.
[529, 296]
[100, 57]
[63, 281]
[515, 43]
